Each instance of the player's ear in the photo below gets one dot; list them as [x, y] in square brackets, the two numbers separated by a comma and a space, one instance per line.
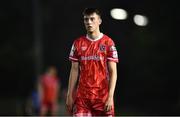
[100, 20]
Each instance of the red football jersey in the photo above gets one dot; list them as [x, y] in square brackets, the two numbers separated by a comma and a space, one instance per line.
[49, 87]
[92, 56]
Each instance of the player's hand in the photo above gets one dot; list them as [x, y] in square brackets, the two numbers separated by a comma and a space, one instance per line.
[108, 104]
[69, 103]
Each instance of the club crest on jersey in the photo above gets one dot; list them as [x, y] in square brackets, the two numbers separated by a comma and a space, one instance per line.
[83, 48]
[102, 48]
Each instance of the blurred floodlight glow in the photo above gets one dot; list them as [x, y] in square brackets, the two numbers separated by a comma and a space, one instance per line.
[118, 14]
[140, 20]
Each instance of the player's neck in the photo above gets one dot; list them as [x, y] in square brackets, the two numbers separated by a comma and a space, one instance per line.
[94, 35]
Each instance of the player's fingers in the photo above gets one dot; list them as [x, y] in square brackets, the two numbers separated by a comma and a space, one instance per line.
[105, 107]
[69, 108]
[108, 108]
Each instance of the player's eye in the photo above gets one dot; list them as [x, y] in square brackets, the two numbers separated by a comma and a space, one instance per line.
[86, 19]
[92, 18]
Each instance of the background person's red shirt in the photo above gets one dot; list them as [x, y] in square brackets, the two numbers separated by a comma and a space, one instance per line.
[49, 88]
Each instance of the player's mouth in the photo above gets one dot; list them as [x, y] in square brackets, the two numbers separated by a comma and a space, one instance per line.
[89, 27]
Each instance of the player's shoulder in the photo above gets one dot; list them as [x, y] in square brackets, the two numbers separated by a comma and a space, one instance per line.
[80, 38]
[107, 38]
[78, 41]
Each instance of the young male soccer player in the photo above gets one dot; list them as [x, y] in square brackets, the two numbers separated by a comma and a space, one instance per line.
[95, 55]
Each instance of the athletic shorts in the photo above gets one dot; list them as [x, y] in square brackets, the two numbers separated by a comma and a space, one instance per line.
[89, 107]
[49, 105]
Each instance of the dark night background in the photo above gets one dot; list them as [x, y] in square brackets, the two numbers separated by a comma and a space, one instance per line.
[39, 33]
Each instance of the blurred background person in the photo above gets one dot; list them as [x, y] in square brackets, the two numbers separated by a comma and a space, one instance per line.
[49, 87]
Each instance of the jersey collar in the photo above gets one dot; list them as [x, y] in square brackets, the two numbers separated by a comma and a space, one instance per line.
[99, 37]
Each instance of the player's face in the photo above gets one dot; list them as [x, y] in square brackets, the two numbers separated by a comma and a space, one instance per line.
[92, 22]
[52, 71]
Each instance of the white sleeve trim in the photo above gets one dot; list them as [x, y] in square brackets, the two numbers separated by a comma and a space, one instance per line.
[112, 59]
[73, 58]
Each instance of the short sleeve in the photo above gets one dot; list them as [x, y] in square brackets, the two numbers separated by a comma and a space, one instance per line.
[73, 53]
[112, 54]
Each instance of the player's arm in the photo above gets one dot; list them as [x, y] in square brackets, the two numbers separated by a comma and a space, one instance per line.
[72, 82]
[112, 84]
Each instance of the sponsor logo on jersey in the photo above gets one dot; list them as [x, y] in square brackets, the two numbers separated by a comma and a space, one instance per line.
[95, 57]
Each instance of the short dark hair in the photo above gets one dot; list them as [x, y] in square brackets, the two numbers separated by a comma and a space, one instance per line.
[89, 11]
